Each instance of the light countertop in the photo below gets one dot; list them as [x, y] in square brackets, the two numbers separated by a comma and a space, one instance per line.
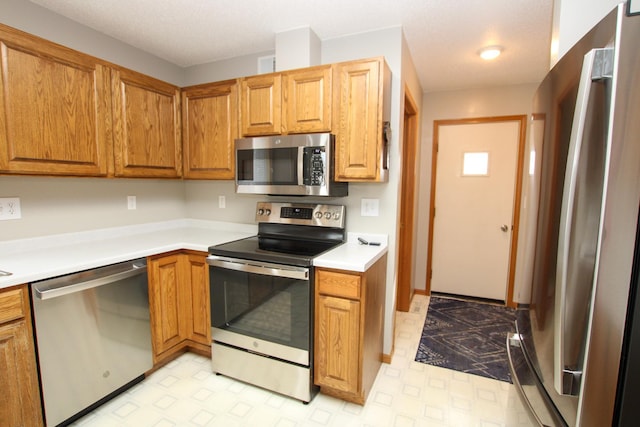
[40, 258]
[352, 255]
[44, 257]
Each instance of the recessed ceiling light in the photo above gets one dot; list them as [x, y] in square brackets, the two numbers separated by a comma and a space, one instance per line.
[490, 52]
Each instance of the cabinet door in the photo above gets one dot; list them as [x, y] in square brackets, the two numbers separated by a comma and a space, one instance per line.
[20, 402]
[337, 343]
[55, 112]
[307, 100]
[260, 109]
[209, 129]
[358, 120]
[199, 312]
[146, 126]
[166, 301]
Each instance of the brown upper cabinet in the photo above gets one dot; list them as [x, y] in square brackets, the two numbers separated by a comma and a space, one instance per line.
[260, 105]
[296, 101]
[360, 119]
[66, 113]
[209, 129]
[307, 100]
[146, 126]
[55, 112]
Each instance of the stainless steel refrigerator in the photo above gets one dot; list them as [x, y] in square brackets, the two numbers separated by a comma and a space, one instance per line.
[572, 356]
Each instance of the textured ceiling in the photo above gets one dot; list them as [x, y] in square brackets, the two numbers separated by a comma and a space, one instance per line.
[443, 35]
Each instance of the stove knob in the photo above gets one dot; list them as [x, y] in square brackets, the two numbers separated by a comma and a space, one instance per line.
[267, 212]
[327, 215]
[260, 212]
[318, 215]
[336, 215]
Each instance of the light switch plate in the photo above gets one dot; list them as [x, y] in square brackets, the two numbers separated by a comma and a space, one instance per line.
[370, 207]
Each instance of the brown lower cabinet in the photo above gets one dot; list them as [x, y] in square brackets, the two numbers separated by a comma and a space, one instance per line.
[179, 303]
[20, 396]
[349, 318]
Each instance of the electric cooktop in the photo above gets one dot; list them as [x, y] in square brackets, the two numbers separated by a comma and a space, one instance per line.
[289, 233]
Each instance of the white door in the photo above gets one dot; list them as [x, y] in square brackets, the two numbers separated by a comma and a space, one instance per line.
[474, 208]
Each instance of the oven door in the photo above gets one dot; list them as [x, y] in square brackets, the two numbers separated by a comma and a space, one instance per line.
[261, 307]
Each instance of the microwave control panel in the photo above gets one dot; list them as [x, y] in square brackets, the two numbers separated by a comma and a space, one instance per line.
[314, 160]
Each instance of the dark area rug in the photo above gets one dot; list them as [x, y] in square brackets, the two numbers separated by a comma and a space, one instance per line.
[467, 336]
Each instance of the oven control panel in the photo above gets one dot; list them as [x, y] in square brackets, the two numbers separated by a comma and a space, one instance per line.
[301, 213]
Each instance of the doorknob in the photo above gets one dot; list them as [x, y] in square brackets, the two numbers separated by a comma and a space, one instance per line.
[504, 228]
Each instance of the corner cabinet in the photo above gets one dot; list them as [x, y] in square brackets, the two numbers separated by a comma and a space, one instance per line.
[361, 108]
[146, 126]
[349, 318]
[20, 402]
[55, 109]
[209, 129]
[179, 303]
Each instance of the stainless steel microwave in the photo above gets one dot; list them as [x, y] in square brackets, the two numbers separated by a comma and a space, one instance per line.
[297, 165]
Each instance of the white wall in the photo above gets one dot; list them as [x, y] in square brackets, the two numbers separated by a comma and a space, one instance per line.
[572, 19]
[499, 101]
[36, 20]
[231, 68]
[53, 205]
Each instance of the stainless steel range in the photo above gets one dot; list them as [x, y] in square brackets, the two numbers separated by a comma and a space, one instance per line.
[262, 296]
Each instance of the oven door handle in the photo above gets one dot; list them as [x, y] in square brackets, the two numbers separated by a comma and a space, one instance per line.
[259, 267]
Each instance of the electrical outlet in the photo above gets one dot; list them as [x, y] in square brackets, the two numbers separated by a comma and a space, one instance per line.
[222, 202]
[10, 208]
[370, 207]
[131, 202]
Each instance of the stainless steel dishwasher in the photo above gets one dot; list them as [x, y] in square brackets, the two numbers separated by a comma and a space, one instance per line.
[93, 337]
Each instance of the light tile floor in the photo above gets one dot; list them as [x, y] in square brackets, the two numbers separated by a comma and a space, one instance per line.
[406, 394]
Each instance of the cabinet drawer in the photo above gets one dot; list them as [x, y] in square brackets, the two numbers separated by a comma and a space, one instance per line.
[11, 305]
[338, 284]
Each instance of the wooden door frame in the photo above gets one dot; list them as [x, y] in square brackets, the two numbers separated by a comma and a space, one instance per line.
[515, 220]
[409, 145]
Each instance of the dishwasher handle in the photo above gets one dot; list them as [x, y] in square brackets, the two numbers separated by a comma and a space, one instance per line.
[78, 282]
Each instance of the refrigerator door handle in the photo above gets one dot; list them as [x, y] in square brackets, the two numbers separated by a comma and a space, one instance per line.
[568, 369]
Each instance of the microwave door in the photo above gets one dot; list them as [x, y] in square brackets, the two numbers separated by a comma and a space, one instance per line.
[268, 171]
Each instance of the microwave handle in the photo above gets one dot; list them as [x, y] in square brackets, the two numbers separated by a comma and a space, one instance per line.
[300, 165]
